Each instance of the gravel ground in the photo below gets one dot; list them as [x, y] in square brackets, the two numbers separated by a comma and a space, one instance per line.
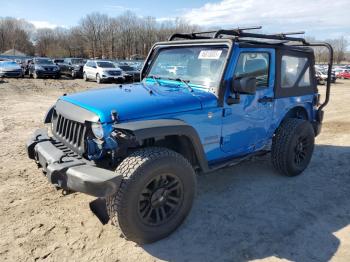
[243, 213]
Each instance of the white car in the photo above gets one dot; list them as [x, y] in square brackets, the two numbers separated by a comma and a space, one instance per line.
[102, 71]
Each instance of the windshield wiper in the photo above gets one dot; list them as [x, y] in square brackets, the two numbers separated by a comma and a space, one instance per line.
[155, 78]
[182, 81]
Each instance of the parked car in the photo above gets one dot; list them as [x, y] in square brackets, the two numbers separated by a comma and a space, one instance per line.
[130, 73]
[139, 146]
[58, 61]
[73, 67]
[43, 67]
[322, 77]
[102, 71]
[10, 69]
[25, 65]
[344, 74]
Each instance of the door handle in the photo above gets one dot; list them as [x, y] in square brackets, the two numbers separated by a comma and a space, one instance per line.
[266, 99]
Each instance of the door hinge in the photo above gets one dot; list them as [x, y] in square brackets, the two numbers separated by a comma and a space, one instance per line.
[266, 99]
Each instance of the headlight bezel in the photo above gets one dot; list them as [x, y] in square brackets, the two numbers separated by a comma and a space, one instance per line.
[97, 130]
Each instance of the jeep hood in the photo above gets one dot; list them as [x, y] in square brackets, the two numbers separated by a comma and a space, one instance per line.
[136, 101]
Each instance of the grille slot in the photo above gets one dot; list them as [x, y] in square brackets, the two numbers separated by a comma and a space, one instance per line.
[69, 132]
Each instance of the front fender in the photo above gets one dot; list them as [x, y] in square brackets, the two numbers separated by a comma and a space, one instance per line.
[161, 128]
[48, 115]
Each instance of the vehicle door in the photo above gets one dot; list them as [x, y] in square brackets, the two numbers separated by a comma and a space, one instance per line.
[246, 125]
[64, 67]
[89, 68]
[93, 70]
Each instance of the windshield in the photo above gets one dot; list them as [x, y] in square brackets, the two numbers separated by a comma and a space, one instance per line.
[43, 61]
[78, 61]
[8, 63]
[201, 65]
[105, 65]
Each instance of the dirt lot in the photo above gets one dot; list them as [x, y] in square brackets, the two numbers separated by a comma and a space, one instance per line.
[247, 212]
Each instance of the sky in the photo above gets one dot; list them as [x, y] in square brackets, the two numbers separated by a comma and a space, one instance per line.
[319, 18]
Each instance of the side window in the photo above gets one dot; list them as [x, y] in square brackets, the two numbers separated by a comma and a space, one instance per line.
[295, 71]
[254, 64]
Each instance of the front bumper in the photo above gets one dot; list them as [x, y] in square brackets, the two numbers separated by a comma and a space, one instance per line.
[77, 73]
[111, 78]
[64, 170]
[11, 74]
[45, 73]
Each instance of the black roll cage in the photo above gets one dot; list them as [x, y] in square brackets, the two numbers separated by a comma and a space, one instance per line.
[239, 34]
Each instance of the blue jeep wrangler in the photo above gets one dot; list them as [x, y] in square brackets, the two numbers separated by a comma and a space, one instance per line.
[205, 101]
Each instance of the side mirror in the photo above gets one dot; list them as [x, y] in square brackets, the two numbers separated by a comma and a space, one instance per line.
[244, 85]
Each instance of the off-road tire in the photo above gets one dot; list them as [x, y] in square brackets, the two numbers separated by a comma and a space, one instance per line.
[292, 146]
[138, 169]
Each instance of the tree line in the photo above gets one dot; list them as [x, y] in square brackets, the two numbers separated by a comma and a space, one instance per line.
[101, 36]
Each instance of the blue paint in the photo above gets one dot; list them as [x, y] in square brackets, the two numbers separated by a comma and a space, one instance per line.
[225, 131]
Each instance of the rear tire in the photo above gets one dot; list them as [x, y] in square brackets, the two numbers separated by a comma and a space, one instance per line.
[292, 146]
[155, 196]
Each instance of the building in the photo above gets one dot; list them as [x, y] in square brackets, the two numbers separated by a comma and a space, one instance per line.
[13, 52]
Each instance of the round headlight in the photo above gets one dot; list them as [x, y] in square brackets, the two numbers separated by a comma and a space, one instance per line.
[97, 130]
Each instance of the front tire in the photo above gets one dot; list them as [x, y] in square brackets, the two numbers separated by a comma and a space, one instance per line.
[292, 146]
[98, 79]
[85, 77]
[155, 196]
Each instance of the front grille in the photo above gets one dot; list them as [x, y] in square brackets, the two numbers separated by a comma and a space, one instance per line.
[69, 132]
[114, 73]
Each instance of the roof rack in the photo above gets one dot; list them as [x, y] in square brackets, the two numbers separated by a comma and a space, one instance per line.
[239, 33]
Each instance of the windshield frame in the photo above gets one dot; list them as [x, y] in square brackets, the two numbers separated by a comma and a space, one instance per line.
[227, 43]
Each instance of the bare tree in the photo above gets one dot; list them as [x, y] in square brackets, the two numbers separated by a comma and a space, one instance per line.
[14, 35]
[123, 37]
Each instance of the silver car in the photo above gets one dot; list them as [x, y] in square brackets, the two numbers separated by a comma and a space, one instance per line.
[10, 69]
[102, 71]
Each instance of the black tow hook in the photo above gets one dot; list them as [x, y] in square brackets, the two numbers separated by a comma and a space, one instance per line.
[66, 192]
